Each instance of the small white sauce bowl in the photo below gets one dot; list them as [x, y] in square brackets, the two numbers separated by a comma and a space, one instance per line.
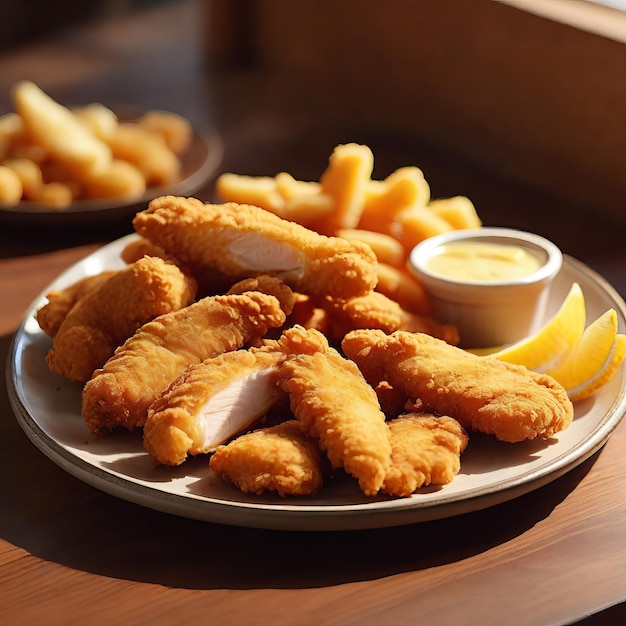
[490, 313]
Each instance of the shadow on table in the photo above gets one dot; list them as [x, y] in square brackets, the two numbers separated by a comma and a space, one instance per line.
[57, 518]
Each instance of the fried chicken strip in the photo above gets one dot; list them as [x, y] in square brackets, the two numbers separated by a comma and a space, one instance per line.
[376, 310]
[334, 404]
[112, 311]
[61, 301]
[142, 368]
[210, 403]
[241, 240]
[209, 283]
[484, 394]
[425, 450]
[280, 458]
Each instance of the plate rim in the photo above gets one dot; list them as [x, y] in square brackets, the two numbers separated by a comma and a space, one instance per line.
[308, 517]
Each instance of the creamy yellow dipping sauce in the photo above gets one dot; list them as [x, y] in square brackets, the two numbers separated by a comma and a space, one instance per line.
[483, 262]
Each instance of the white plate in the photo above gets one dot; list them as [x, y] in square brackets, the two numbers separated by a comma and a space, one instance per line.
[48, 409]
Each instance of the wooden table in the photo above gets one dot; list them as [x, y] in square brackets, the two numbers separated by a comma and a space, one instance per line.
[70, 554]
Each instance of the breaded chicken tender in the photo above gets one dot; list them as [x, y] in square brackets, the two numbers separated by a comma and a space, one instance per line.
[269, 285]
[111, 312]
[279, 458]
[142, 368]
[209, 283]
[241, 241]
[61, 301]
[425, 450]
[483, 394]
[137, 248]
[308, 314]
[334, 404]
[376, 310]
[210, 403]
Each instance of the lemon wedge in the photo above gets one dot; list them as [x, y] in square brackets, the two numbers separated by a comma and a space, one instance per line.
[591, 353]
[552, 345]
[579, 390]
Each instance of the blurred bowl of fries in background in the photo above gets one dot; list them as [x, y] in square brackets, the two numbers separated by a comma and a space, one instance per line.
[88, 164]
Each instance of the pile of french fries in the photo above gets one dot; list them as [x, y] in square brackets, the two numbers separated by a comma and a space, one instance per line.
[391, 215]
[53, 155]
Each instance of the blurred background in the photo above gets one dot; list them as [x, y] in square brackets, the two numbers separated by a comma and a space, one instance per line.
[29, 21]
[505, 101]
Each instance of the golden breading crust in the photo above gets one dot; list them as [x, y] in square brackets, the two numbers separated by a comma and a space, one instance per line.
[241, 241]
[279, 458]
[484, 394]
[142, 368]
[211, 402]
[61, 301]
[111, 312]
[376, 310]
[269, 285]
[425, 450]
[334, 404]
[209, 283]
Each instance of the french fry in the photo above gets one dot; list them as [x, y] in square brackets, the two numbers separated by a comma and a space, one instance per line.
[121, 180]
[55, 171]
[458, 211]
[414, 225]
[259, 191]
[60, 154]
[303, 201]
[10, 187]
[29, 174]
[308, 209]
[58, 130]
[147, 152]
[404, 189]
[288, 187]
[11, 127]
[174, 129]
[386, 248]
[100, 120]
[55, 194]
[345, 180]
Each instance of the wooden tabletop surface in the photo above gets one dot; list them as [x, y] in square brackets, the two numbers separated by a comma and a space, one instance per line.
[71, 554]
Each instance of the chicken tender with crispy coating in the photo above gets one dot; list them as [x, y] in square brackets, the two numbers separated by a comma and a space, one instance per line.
[376, 310]
[425, 450]
[241, 241]
[334, 404]
[268, 285]
[405, 289]
[209, 283]
[308, 314]
[142, 368]
[279, 458]
[210, 403]
[111, 312]
[484, 394]
[61, 301]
